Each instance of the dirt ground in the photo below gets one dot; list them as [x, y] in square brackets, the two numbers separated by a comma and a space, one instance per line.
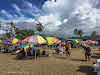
[54, 65]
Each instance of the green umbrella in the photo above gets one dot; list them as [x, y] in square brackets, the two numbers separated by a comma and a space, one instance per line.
[23, 45]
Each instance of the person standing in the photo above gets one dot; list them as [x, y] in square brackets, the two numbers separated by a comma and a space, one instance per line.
[67, 50]
[87, 53]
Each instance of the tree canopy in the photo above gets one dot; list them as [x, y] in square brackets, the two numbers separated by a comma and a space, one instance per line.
[78, 32]
[39, 27]
[22, 34]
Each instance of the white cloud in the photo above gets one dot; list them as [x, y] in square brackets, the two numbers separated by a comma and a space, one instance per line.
[82, 13]
[65, 20]
[18, 10]
[2, 32]
[50, 21]
[22, 19]
[18, 19]
[28, 4]
[5, 13]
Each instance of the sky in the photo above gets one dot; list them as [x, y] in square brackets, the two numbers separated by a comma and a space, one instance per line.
[59, 17]
[17, 10]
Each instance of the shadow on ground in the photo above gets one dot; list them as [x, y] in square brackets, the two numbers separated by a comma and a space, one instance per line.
[60, 57]
[29, 58]
[96, 56]
[78, 60]
[86, 69]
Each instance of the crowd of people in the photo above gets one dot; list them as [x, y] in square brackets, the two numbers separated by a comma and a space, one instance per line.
[31, 50]
[65, 48]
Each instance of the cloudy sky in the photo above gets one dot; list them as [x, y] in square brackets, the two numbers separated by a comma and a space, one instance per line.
[59, 17]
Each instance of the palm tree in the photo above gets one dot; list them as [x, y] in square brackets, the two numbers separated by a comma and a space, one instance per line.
[39, 27]
[8, 35]
[78, 32]
[13, 28]
[93, 34]
[12, 31]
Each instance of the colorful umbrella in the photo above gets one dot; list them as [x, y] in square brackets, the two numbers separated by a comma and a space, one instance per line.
[3, 42]
[37, 39]
[15, 40]
[10, 40]
[75, 41]
[23, 45]
[91, 41]
[0, 41]
[52, 40]
[26, 40]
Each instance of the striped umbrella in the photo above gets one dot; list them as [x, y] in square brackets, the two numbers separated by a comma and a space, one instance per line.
[26, 40]
[37, 39]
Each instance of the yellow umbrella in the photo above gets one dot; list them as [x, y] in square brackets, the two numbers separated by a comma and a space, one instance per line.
[77, 41]
[0, 41]
[41, 40]
[52, 40]
[14, 41]
[37, 39]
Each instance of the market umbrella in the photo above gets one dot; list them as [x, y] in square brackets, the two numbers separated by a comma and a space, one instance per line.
[15, 40]
[75, 41]
[37, 39]
[3, 42]
[25, 40]
[92, 41]
[0, 41]
[23, 45]
[52, 40]
[10, 40]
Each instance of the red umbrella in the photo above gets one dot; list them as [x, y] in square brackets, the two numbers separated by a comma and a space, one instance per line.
[26, 40]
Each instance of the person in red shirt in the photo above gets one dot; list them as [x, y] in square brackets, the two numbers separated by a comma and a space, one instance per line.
[67, 49]
[5, 46]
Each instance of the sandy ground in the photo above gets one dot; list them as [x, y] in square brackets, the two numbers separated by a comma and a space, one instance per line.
[54, 65]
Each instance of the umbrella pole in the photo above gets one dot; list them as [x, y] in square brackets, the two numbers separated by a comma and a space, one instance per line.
[35, 55]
